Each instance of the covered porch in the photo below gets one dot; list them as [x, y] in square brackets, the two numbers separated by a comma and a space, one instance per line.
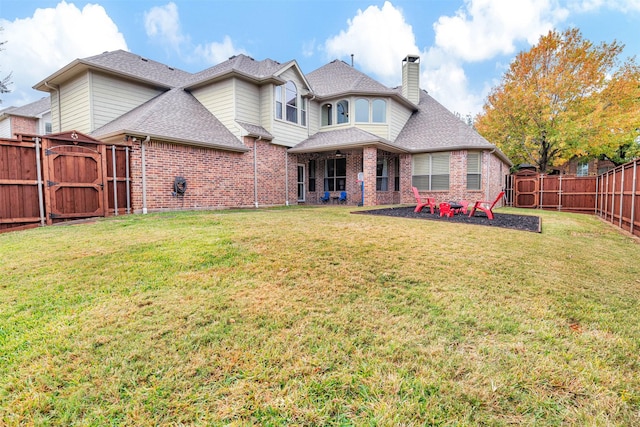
[369, 175]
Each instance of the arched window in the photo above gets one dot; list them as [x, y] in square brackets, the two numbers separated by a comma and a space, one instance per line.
[342, 111]
[379, 111]
[362, 110]
[292, 102]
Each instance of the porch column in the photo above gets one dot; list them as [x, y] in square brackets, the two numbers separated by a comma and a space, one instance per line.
[369, 158]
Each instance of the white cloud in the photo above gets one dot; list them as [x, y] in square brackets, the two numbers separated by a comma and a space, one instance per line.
[38, 46]
[215, 52]
[483, 29]
[595, 5]
[162, 24]
[379, 40]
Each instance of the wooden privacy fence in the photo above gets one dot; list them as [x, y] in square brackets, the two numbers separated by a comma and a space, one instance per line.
[613, 195]
[54, 178]
[555, 192]
[618, 198]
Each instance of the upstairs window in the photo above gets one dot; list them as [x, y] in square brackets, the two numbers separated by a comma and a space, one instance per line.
[342, 110]
[362, 110]
[327, 115]
[292, 102]
[379, 111]
[278, 106]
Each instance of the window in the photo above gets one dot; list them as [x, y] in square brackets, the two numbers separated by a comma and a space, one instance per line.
[379, 111]
[396, 166]
[382, 175]
[292, 102]
[303, 111]
[335, 175]
[47, 128]
[362, 110]
[312, 175]
[431, 171]
[327, 115]
[473, 171]
[582, 169]
[278, 105]
[343, 111]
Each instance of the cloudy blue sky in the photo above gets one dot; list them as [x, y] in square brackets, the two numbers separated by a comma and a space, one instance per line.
[465, 45]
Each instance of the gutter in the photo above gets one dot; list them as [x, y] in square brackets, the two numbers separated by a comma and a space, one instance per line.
[57, 89]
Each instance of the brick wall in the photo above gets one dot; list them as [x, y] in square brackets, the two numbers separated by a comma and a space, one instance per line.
[215, 178]
[24, 125]
[493, 173]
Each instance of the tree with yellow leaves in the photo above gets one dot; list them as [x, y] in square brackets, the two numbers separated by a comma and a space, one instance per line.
[565, 98]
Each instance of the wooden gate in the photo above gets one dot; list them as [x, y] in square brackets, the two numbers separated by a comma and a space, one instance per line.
[61, 177]
[74, 182]
[526, 190]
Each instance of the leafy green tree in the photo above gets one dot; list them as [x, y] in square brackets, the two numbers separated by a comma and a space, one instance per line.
[565, 98]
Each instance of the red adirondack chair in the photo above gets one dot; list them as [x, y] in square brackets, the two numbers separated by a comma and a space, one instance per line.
[429, 201]
[486, 207]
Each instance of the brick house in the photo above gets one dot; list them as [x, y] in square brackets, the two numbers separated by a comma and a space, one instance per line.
[33, 118]
[248, 133]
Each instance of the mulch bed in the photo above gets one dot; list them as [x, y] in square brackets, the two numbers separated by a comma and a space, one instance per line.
[516, 222]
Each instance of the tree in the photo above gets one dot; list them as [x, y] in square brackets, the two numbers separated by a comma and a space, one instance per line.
[6, 81]
[565, 97]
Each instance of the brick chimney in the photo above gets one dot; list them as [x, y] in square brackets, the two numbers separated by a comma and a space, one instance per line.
[411, 78]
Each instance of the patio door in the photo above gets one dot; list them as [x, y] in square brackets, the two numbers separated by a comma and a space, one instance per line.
[301, 186]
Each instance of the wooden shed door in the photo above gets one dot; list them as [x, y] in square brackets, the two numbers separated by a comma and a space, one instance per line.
[75, 182]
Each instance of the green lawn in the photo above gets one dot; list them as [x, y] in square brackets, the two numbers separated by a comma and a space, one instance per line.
[314, 316]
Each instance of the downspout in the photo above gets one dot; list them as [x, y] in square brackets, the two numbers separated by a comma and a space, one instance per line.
[58, 102]
[255, 172]
[488, 190]
[144, 173]
[286, 178]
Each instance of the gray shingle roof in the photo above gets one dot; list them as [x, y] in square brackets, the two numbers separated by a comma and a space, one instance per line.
[341, 139]
[174, 116]
[243, 65]
[434, 128]
[337, 78]
[138, 67]
[255, 130]
[125, 64]
[33, 109]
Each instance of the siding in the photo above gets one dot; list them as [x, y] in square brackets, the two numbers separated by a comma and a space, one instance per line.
[5, 128]
[76, 108]
[397, 119]
[55, 118]
[218, 99]
[247, 102]
[111, 97]
[266, 107]
[381, 130]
